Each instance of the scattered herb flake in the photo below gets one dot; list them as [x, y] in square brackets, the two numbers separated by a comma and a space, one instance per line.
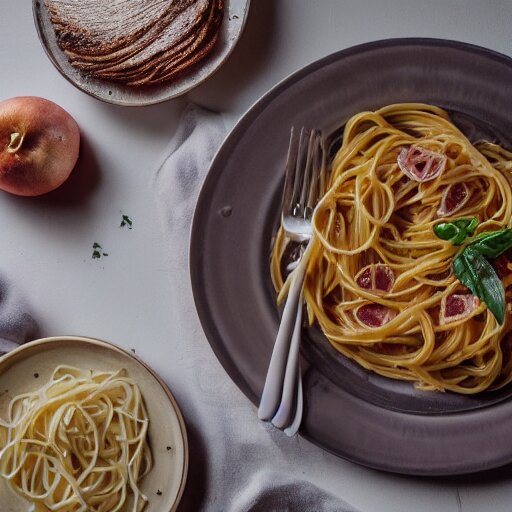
[159, 492]
[126, 221]
[98, 251]
[168, 448]
[36, 375]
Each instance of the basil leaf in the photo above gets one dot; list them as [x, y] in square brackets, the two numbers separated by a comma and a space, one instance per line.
[457, 231]
[492, 244]
[445, 230]
[469, 225]
[476, 273]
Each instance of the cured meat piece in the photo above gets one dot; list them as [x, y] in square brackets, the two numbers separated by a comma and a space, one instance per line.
[421, 165]
[454, 198]
[457, 307]
[377, 277]
[374, 315]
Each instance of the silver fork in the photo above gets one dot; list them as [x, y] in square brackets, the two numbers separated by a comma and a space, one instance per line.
[305, 182]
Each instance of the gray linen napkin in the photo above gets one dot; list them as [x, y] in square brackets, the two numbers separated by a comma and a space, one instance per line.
[237, 463]
[16, 324]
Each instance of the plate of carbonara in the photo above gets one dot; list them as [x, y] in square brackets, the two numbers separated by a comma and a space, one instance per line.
[408, 290]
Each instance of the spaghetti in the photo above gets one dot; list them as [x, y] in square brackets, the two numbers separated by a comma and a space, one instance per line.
[379, 281]
[78, 444]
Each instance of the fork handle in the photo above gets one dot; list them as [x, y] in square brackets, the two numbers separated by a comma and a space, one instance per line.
[299, 408]
[273, 389]
[283, 416]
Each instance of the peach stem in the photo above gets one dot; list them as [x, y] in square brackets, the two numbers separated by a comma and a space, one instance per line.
[16, 142]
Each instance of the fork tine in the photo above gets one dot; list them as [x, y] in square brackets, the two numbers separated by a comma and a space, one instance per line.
[305, 175]
[313, 183]
[300, 171]
[306, 170]
[291, 162]
[294, 171]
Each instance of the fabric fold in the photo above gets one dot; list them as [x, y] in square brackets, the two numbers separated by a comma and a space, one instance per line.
[237, 463]
[17, 325]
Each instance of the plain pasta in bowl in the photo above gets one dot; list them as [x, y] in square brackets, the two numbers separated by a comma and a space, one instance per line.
[78, 443]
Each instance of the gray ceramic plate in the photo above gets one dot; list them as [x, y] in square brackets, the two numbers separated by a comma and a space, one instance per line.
[368, 419]
[235, 15]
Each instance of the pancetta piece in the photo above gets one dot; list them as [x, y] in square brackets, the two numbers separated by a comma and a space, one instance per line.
[456, 307]
[377, 277]
[454, 197]
[419, 164]
[374, 315]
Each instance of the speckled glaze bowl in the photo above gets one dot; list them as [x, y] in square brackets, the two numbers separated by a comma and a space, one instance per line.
[30, 366]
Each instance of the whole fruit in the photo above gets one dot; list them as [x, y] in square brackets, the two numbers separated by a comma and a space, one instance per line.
[39, 144]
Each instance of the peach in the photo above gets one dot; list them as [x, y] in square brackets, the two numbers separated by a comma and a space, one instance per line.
[39, 145]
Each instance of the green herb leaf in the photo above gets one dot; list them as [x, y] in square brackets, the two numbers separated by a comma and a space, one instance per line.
[97, 251]
[126, 221]
[476, 273]
[457, 231]
[493, 244]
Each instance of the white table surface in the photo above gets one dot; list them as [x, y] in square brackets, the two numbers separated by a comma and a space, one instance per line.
[46, 243]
